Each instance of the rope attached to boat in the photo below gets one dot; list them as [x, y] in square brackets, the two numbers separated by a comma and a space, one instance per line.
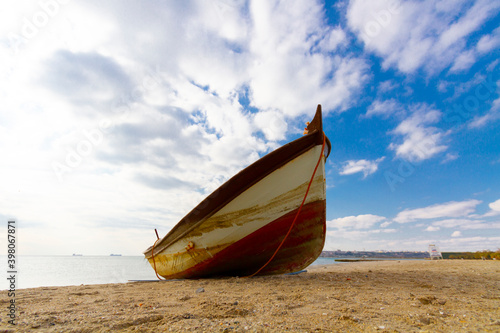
[298, 212]
[153, 255]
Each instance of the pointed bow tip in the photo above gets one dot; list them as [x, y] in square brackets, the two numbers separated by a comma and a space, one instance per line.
[317, 122]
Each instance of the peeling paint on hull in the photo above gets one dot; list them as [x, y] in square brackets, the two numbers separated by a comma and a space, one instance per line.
[247, 255]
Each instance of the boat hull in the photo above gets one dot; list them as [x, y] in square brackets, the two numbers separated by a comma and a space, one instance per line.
[238, 232]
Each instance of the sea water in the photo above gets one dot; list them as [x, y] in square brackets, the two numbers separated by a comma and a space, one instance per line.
[47, 271]
[38, 271]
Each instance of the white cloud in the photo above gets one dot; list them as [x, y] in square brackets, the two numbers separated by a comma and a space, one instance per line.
[365, 166]
[468, 224]
[356, 222]
[384, 108]
[494, 209]
[387, 86]
[482, 225]
[469, 243]
[272, 124]
[291, 62]
[443, 86]
[456, 234]
[385, 224]
[420, 141]
[489, 42]
[358, 239]
[431, 228]
[492, 115]
[353, 235]
[454, 223]
[495, 205]
[413, 34]
[449, 157]
[449, 209]
[463, 61]
[334, 38]
[467, 58]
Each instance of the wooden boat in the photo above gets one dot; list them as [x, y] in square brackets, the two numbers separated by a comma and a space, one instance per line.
[270, 218]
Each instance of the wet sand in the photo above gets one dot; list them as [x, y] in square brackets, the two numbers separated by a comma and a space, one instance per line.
[381, 296]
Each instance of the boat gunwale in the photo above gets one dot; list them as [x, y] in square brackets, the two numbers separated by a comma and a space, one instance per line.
[242, 181]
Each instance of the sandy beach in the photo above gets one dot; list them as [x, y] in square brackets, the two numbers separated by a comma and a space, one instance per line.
[381, 296]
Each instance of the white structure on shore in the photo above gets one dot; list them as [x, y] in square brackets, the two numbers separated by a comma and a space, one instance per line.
[434, 252]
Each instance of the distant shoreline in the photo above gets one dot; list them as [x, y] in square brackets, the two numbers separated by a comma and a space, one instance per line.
[371, 259]
[478, 255]
[374, 254]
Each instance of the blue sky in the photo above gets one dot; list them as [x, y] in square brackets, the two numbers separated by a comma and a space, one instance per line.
[119, 117]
